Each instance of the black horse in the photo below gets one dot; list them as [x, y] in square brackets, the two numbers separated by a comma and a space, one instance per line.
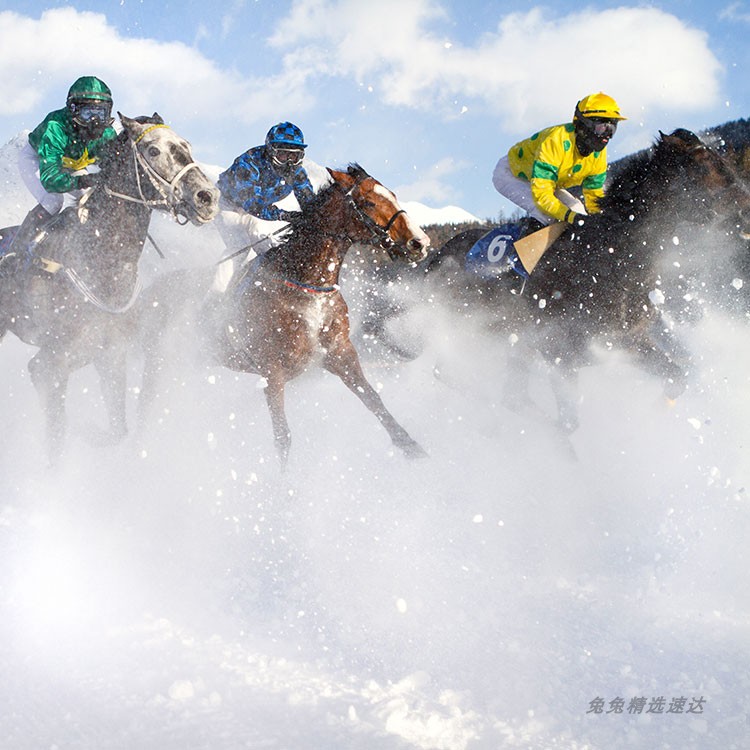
[616, 278]
[72, 294]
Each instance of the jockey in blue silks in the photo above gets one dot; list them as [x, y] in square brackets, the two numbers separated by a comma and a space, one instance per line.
[251, 189]
[258, 179]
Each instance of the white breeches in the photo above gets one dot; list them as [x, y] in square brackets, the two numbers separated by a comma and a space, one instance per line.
[28, 166]
[239, 229]
[518, 191]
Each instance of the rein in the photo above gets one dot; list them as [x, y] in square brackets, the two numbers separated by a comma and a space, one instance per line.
[87, 292]
[166, 188]
[53, 267]
[309, 288]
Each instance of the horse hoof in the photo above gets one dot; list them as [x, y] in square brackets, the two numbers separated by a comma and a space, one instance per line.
[568, 425]
[414, 450]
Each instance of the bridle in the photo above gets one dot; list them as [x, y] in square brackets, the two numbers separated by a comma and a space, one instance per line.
[167, 189]
[380, 235]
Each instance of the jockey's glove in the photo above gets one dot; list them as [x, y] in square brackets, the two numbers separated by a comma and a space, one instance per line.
[288, 215]
[280, 236]
[576, 219]
[88, 180]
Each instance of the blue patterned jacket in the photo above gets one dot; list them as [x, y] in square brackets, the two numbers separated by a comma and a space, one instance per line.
[253, 185]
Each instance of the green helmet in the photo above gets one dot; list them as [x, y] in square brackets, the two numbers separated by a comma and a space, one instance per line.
[89, 88]
[90, 106]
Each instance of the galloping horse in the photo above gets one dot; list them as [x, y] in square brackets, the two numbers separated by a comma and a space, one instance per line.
[72, 295]
[617, 277]
[286, 307]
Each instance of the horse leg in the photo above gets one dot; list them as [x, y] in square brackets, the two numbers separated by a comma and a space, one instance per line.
[515, 389]
[282, 437]
[50, 378]
[660, 353]
[344, 362]
[564, 381]
[111, 369]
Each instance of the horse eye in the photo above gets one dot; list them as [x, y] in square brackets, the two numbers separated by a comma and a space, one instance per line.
[153, 151]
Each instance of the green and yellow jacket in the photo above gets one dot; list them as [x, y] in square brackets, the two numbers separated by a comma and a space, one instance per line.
[62, 150]
[550, 160]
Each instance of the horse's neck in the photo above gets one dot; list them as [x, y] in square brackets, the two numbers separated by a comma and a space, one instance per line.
[314, 254]
[118, 223]
[312, 257]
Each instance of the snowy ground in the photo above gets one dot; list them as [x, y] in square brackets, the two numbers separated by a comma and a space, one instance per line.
[177, 592]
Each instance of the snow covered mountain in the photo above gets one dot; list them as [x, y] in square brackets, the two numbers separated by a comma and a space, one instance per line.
[426, 216]
[176, 591]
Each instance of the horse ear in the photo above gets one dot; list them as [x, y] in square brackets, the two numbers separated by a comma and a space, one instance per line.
[127, 122]
[156, 117]
[342, 178]
[133, 126]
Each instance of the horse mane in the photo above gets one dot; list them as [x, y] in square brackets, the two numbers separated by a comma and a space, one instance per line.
[112, 152]
[311, 211]
[635, 184]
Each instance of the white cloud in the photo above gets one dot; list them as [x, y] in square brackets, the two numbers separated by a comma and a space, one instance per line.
[434, 184]
[735, 12]
[188, 87]
[531, 65]
[229, 18]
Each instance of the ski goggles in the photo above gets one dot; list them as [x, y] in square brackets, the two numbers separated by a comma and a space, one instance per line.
[291, 156]
[91, 113]
[601, 127]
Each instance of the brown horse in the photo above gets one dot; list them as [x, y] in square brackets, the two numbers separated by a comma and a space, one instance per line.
[284, 311]
[72, 295]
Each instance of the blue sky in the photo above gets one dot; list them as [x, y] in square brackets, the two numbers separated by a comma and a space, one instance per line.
[425, 94]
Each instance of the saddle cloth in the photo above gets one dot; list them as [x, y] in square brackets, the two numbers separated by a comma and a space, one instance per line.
[493, 254]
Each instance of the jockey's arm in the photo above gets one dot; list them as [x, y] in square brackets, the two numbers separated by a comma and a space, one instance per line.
[543, 193]
[303, 189]
[244, 186]
[593, 189]
[51, 149]
[546, 172]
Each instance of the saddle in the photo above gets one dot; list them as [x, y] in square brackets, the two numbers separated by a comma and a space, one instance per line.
[20, 246]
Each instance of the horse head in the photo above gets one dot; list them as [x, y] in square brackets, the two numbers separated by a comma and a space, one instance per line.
[706, 178]
[383, 222]
[165, 173]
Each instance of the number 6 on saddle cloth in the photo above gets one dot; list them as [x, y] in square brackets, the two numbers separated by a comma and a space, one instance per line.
[503, 248]
[494, 253]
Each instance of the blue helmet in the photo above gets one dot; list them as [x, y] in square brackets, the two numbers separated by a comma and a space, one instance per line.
[285, 134]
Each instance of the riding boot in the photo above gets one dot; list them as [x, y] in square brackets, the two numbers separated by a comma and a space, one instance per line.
[31, 226]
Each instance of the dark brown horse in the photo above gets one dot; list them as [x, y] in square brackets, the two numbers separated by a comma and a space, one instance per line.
[284, 313]
[620, 277]
[72, 295]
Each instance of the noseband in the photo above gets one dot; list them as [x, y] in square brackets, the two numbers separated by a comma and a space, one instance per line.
[166, 188]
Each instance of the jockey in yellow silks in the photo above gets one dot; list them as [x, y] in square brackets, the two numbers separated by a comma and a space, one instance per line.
[537, 172]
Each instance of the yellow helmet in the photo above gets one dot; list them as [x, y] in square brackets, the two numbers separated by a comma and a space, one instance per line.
[598, 105]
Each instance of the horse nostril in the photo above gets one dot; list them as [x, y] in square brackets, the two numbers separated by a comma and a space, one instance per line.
[205, 197]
